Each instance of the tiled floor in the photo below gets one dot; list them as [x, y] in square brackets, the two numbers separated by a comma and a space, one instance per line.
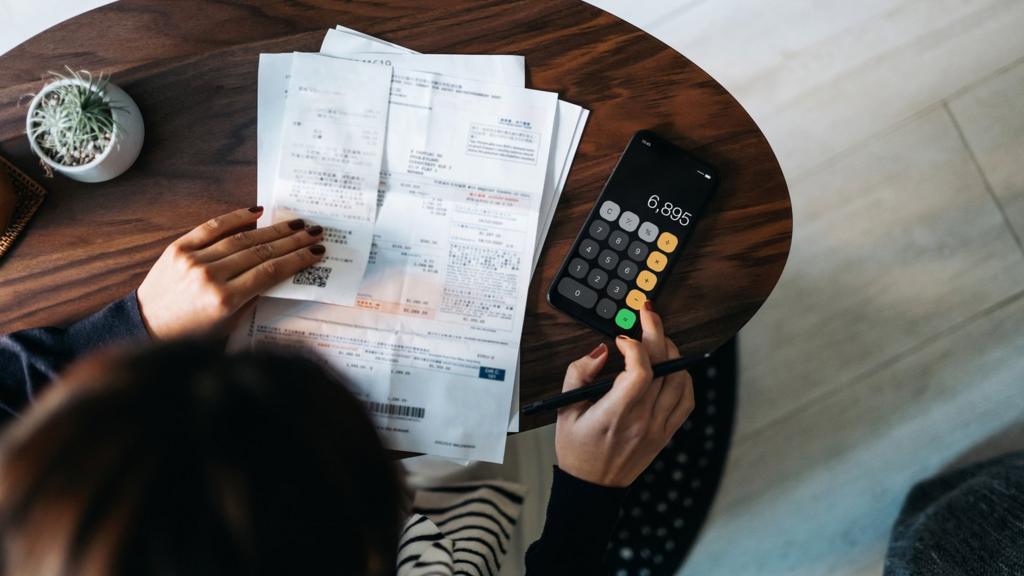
[894, 344]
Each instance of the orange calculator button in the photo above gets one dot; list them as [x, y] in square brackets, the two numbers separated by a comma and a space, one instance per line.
[657, 261]
[646, 280]
[635, 299]
[668, 241]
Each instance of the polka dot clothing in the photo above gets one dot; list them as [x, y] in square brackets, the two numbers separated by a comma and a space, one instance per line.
[665, 508]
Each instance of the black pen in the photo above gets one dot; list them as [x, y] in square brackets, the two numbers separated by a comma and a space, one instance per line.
[602, 386]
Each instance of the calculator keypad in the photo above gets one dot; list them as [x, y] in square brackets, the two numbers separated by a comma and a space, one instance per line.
[618, 240]
[599, 229]
[618, 263]
[608, 259]
[578, 268]
[589, 248]
[629, 221]
[610, 211]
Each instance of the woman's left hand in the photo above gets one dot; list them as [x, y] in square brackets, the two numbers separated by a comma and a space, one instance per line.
[203, 279]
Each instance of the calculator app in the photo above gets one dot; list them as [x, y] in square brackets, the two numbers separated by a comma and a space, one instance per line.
[625, 250]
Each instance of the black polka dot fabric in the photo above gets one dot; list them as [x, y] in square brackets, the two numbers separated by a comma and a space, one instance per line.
[667, 505]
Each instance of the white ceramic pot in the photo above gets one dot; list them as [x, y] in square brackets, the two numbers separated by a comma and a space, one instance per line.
[123, 150]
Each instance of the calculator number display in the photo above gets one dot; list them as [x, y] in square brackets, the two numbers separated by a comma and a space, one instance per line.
[669, 210]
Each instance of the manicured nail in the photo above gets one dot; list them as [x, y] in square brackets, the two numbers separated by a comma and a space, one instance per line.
[256, 209]
[297, 224]
[317, 249]
[315, 230]
[648, 306]
[599, 351]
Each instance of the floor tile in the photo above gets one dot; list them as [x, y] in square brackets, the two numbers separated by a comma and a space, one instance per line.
[891, 245]
[818, 492]
[991, 116]
[821, 76]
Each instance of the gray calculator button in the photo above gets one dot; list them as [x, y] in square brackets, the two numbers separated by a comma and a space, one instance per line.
[577, 292]
[599, 229]
[598, 278]
[609, 210]
[618, 240]
[578, 268]
[607, 259]
[648, 232]
[589, 249]
[606, 308]
[628, 269]
[637, 250]
[629, 221]
[617, 289]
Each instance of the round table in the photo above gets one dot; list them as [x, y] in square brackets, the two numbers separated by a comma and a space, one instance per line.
[191, 65]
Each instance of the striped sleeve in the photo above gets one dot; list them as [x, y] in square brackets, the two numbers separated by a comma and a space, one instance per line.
[461, 529]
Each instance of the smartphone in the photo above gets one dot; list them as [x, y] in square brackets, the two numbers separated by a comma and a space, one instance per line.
[635, 232]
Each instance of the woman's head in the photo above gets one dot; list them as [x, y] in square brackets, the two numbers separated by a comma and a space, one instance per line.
[183, 460]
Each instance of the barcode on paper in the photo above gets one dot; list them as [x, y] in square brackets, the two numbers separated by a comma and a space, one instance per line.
[313, 276]
[400, 410]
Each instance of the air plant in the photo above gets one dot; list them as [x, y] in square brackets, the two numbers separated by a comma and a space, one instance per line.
[74, 122]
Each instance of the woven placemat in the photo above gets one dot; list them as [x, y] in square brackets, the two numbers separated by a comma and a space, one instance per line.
[30, 196]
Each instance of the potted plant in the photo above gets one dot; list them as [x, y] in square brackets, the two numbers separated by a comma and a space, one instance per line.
[84, 127]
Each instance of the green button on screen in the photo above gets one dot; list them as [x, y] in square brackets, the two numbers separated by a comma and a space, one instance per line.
[625, 319]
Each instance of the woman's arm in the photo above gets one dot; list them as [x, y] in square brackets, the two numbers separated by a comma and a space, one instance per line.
[198, 285]
[603, 446]
[30, 359]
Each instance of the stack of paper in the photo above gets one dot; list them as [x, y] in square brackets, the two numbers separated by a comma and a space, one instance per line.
[435, 177]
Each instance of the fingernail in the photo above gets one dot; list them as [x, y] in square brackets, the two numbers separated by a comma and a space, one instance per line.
[598, 351]
[648, 306]
[623, 337]
[256, 209]
[297, 224]
[317, 249]
[315, 230]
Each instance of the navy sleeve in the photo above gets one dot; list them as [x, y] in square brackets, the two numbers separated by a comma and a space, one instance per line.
[579, 524]
[30, 359]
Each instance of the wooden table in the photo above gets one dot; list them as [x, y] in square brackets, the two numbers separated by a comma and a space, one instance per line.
[191, 65]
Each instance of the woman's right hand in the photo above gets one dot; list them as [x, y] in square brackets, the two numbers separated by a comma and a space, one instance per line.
[204, 278]
[610, 442]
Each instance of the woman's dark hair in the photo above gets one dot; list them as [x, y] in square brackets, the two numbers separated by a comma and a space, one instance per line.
[181, 459]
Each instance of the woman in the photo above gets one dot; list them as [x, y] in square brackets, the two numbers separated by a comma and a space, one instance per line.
[180, 459]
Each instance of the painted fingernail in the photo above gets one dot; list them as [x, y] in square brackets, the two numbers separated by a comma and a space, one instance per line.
[317, 249]
[648, 306]
[256, 209]
[297, 224]
[599, 351]
[315, 230]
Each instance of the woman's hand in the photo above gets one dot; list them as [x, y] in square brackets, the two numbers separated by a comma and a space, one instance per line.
[205, 277]
[611, 441]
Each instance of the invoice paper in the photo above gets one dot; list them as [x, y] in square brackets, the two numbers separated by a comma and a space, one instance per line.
[569, 122]
[332, 138]
[570, 119]
[316, 321]
[433, 343]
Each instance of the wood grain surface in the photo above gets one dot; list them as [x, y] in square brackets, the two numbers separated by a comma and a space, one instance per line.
[191, 66]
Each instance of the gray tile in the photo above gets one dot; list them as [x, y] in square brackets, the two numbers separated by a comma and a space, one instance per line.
[891, 245]
[820, 77]
[816, 493]
[991, 116]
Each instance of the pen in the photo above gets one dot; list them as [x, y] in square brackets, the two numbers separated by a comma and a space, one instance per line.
[602, 386]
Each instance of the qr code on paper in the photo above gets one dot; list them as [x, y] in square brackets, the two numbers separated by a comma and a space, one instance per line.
[313, 276]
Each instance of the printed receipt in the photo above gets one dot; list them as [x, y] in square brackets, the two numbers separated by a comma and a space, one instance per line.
[332, 139]
[432, 343]
[570, 119]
